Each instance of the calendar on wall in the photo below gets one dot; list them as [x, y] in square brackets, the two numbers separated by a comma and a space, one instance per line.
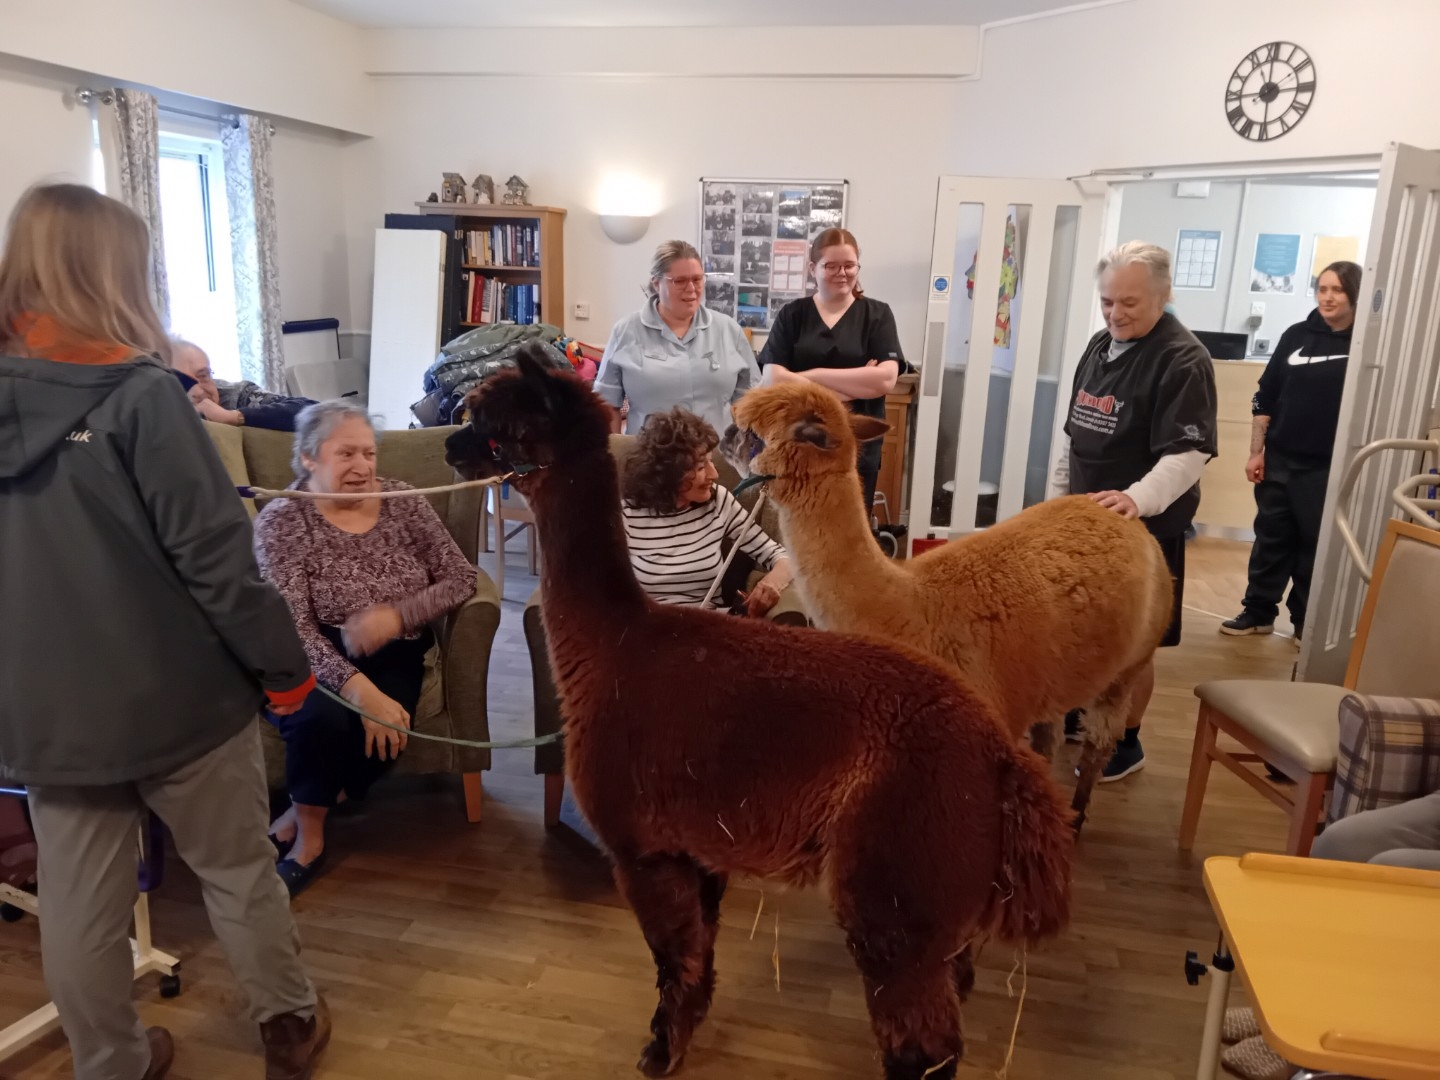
[755, 242]
[1197, 255]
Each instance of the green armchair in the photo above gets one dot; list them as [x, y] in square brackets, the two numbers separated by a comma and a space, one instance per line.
[453, 699]
[550, 760]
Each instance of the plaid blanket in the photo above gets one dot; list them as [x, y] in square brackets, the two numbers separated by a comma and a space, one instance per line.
[1389, 753]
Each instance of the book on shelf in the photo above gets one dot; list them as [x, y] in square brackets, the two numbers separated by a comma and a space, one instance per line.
[488, 301]
[508, 245]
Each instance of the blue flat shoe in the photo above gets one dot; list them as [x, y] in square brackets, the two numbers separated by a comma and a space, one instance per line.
[296, 876]
[282, 847]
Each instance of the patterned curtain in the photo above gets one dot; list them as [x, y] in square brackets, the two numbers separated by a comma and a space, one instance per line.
[250, 191]
[136, 133]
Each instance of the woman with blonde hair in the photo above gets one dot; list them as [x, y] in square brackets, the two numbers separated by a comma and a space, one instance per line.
[675, 351]
[139, 640]
[840, 338]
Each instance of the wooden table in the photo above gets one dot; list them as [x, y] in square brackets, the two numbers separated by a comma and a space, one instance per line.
[1342, 960]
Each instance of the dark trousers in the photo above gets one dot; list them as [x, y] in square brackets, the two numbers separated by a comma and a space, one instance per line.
[868, 465]
[1288, 503]
[325, 741]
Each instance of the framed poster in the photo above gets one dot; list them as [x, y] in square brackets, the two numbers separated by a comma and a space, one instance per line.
[755, 241]
[1277, 262]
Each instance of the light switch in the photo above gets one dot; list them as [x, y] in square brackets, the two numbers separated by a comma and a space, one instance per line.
[582, 311]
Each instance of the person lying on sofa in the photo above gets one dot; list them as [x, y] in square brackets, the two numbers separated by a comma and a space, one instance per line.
[241, 404]
[677, 517]
[364, 578]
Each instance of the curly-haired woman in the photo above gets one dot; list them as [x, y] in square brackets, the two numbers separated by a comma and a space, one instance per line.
[678, 519]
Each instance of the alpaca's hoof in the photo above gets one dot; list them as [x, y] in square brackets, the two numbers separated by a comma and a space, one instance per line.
[655, 1060]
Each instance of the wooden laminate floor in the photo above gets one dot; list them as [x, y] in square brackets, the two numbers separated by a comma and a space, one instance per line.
[501, 951]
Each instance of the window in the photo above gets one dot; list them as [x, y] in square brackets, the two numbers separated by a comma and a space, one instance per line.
[196, 222]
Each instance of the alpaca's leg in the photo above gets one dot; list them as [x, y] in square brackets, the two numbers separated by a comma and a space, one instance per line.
[963, 967]
[664, 891]
[712, 891]
[1092, 760]
[915, 1013]
[1042, 739]
[1106, 719]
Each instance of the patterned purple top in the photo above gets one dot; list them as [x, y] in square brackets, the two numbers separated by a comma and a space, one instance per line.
[326, 574]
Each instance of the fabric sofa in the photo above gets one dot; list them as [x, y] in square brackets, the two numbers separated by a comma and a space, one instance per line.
[453, 701]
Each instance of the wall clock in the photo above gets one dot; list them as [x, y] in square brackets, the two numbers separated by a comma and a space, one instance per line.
[1270, 91]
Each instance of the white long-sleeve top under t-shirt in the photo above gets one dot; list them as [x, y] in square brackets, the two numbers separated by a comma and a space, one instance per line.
[1171, 477]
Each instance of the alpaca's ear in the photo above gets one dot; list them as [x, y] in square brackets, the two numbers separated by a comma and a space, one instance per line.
[529, 362]
[812, 431]
[867, 428]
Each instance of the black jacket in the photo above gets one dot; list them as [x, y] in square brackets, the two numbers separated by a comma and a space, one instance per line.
[1301, 387]
[137, 633]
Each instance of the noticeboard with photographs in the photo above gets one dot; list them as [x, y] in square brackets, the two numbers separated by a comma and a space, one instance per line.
[755, 240]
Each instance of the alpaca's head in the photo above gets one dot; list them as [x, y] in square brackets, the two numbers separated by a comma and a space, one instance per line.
[529, 418]
[794, 435]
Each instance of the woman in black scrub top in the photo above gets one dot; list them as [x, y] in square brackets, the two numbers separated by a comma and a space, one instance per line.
[839, 338]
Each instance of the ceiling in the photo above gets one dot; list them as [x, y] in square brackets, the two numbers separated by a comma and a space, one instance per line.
[553, 13]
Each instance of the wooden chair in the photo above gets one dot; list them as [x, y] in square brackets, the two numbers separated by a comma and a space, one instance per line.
[1294, 727]
[506, 505]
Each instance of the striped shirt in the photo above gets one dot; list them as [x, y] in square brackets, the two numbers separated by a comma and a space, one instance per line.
[677, 556]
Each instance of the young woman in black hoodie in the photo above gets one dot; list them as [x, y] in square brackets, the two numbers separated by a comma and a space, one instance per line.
[1297, 409]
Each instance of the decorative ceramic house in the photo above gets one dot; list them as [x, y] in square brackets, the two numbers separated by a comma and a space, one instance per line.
[484, 188]
[452, 188]
[517, 192]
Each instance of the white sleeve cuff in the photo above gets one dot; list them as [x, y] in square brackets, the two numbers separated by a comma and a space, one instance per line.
[1172, 476]
[1060, 477]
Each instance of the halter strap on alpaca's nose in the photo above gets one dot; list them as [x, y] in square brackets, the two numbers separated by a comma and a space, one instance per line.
[753, 480]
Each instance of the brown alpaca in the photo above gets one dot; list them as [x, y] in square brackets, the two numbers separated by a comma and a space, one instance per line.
[700, 745]
[1058, 607]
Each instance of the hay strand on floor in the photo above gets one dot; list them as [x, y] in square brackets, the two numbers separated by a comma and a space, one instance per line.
[775, 956]
[755, 925]
[1023, 964]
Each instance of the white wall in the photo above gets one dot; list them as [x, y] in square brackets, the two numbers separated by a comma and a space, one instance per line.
[565, 134]
[315, 261]
[45, 138]
[270, 56]
[1151, 211]
[1143, 84]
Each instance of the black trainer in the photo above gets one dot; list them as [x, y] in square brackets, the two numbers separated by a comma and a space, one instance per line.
[1125, 760]
[1246, 623]
[1074, 730]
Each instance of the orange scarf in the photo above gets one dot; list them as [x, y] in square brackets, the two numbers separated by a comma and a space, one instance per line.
[46, 339]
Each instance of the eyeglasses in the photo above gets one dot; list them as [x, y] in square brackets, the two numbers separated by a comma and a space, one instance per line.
[683, 283]
[840, 268]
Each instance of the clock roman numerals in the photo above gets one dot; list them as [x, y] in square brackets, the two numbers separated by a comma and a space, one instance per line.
[1270, 90]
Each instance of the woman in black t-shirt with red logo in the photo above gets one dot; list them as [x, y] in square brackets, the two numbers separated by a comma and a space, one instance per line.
[1140, 428]
[839, 338]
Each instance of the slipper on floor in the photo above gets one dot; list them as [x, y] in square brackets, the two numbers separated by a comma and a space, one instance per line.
[296, 877]
[1240, 1024]
[1252, 1059]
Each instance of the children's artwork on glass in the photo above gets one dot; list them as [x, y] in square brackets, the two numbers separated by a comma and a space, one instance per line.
[1009, 282]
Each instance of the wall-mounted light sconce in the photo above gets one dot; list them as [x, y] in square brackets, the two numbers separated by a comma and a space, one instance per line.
[626, 203]
[624, 228]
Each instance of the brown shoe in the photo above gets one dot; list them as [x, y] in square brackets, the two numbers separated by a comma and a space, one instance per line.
[162, 1053]
[293, 1045]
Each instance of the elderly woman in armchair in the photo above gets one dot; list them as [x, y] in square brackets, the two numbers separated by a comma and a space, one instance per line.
[678, 520]
[364, 578]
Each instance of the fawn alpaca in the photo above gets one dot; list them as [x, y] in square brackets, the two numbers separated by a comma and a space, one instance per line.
[700, 745]
[1060, 606]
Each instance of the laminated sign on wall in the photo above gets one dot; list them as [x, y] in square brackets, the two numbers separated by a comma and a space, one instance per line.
[755, 240]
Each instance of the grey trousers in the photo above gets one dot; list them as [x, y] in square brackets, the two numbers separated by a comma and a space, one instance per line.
[217, 813]
[1406, 834]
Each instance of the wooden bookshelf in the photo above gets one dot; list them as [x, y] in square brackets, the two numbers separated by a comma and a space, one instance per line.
[549, 275]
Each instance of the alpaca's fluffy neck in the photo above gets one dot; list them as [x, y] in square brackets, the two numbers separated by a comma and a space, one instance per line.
[585, 575]
[839, 567]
